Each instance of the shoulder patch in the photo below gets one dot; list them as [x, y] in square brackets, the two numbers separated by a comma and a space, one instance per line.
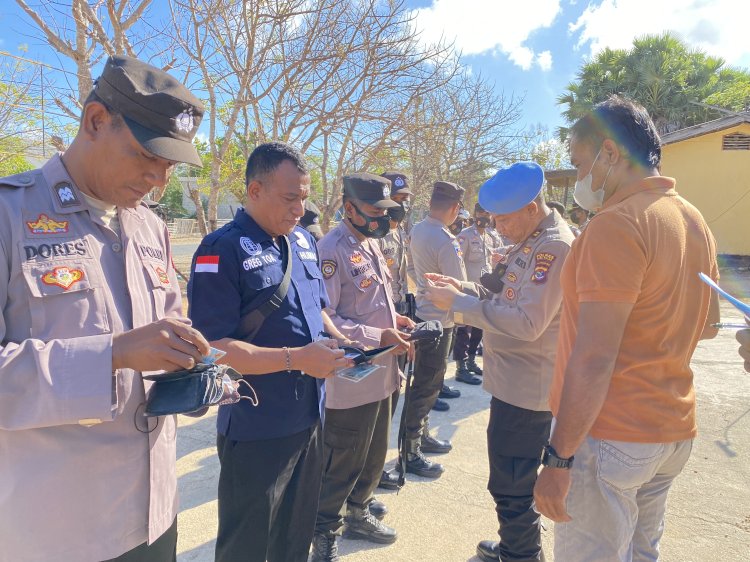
[543, 263]
[328, 267]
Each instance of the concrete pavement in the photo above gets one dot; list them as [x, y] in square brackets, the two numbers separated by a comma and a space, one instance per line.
[708, 516]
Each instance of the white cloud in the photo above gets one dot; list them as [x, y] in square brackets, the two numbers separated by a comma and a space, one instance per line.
[480, 26]
[544, 60]
[715, 26]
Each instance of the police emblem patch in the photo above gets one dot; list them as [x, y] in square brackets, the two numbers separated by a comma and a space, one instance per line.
[526, 250]
[252, 248]
[356, 257]
[45, 225]
[386, 192]
[365, 283]
[65, 195]
[184, 122]
[510, 293]
[398, 182]
[543, 263]
[64, 277]
[328, 267]
[389, 262]
[302, 241]
[511, 278]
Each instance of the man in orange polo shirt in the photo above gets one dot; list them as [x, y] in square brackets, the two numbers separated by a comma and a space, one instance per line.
[633, 312]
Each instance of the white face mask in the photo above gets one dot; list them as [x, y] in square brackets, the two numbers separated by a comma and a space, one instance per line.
[584, 195]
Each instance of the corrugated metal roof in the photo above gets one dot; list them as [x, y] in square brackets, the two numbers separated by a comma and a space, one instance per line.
[705, 128]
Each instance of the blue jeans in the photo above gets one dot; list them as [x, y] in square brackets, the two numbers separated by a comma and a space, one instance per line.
[617, 500]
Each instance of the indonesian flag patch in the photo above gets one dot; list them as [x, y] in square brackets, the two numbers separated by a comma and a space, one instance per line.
[207, 264]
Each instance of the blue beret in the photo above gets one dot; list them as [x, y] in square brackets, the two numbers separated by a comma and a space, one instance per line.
[511, 188]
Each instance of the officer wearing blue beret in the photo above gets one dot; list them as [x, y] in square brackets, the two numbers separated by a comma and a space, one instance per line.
[276, 445]
[518, 308]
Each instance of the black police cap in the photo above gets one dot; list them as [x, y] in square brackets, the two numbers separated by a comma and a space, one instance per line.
[399, 183]
[161, 113]
[369, 188]
[448, 190]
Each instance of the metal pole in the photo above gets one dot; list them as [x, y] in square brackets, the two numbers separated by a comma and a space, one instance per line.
[44, 136]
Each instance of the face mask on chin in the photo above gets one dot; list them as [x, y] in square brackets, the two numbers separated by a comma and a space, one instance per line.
[584, 195]
[397, 214]
[374, 227]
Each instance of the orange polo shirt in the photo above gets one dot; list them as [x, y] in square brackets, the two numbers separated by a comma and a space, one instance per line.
[645, 247]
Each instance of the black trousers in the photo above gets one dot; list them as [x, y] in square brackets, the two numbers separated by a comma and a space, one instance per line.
[429, 372]
[355, 442]
[268, 497]
[163, 549]
[467, 339]
[515, 439]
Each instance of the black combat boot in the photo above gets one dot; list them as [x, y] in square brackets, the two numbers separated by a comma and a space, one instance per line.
[463, 374]
[389, 480]
[448, 392]
[430, 444]
[325, 548]
[441, 406]
[417, 463]
[378, 508]
[471, 364]
[363, 525]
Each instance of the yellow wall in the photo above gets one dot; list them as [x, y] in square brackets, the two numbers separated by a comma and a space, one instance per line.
[717, 182]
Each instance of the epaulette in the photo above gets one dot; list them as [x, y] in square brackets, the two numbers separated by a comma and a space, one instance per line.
[24, 179]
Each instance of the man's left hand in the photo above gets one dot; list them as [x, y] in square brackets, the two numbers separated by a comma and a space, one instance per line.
[551, 490]
[404, 322]
[441, 295]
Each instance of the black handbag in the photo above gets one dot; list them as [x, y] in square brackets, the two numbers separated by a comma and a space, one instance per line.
[194, 390]
[429, 330]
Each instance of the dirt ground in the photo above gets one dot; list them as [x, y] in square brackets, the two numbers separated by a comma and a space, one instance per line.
[708, 516]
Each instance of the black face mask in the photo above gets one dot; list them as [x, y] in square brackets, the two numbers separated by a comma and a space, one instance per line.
[482, 222]
[456, 227]
[375, 227]
[397, 214]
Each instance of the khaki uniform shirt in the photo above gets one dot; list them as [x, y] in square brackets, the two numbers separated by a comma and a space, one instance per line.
[477, 249]
[72, 488]
[394, 248]
[521, 323]
[433, 249]
[359, 290]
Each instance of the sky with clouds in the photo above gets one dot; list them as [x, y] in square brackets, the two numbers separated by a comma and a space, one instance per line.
[535, 47]
[531, 47]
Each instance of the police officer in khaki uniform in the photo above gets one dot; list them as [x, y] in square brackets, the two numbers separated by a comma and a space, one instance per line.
[89, 300]
[433, 249]
[478, 244]
[520, 322]
[394, 246]
[358, 413]
[395, 243]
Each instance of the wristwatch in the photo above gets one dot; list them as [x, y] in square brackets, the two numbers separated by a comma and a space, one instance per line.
[552, 459]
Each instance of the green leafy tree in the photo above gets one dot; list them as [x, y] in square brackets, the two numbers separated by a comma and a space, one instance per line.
[172, 198]
[668, 78]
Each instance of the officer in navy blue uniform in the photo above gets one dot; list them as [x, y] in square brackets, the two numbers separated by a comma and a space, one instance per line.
[277, 444]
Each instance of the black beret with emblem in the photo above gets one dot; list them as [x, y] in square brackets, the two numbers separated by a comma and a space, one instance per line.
[448, 190]
[369, 188]
[162, 114]
[399, 183]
